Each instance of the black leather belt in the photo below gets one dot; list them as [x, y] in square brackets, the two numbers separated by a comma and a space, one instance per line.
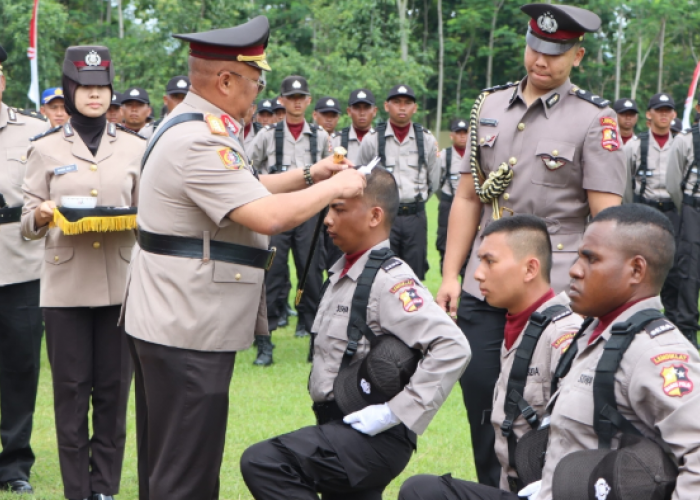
[328, 411]
[10, 214]
[446, 197]
[663, 204]
[691, 200]
[411, 208]
[194, 248]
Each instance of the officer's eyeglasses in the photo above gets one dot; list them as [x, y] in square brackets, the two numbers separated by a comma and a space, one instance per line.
[259, 83]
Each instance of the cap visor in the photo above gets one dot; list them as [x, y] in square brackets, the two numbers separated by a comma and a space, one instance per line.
[545, 47]
[177, 91]
[662, 105]
[346, 392]
[572, 474]
[259, 64]
[391, 96]
[137, 99]
[327, 110]
[52, 97]
[87, 78]
[294, 92]
[360, 101]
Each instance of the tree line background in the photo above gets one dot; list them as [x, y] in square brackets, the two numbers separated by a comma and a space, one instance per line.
[447, 50]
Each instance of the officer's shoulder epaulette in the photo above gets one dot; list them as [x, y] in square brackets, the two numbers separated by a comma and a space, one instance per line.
[589, 97]
[505, 86]
[129, 131]
[561, 315]
[659, 326]
[268, 127]
[33, 114]
[391, 263]
[372, 131]
[334, 135]
[44, 134]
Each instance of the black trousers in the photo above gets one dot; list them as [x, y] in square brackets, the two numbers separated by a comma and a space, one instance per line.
[443, 218]
[687, 272]
[483, 326]
[20, 353]
[332, 459]
[181, 415]
[89, 362]
[298, 240]
[409, 240]
[425, 487]
[671, 288]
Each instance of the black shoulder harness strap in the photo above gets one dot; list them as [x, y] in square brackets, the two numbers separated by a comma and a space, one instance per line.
[644, 153]
[696, 162]
[357, 324]
[381, 142]
[567, 358]
[345, 137]
[279, 147]
[313, 143]
[185, 117]
[515, 404]
[257, 126]
[448, 170]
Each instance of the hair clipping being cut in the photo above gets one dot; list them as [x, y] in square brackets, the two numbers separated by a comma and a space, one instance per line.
[367, 169]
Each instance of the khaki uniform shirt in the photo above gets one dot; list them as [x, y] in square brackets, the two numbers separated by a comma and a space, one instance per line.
[353, 143]
[402, 161]
[297, 152]
[654, 390]
[657, 162]
[20, 258]
[193, 179]
[680, 159]
[398, 304]
[248, 141]
[147, 131]
[558, 127]
[89, 269]
[552, 344]
[449, 186]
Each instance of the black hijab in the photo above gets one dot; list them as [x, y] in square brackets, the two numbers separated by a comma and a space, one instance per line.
[89, 129]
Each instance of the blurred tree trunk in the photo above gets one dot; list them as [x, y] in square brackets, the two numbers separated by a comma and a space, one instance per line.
[441, 69]
[489, 62]
[662, 37]
[403, 27]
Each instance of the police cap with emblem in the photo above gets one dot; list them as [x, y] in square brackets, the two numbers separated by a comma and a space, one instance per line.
[327, 105]
[625, 104]
[676, 126]
[116, 98]
[554, 29]
[459, 124]
[362, 96]
[661, 101]
[294, 85]
[135, 94]
[266, 106]
[401, 91]
[245, 43]
[276, 104]
[89, 65]
[178, 85]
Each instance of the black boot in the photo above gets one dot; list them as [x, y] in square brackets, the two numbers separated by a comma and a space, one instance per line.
[264, 343]
[290, 310]
[301, 329]
[284, 318]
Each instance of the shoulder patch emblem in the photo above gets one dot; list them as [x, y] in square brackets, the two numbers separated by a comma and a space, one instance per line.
[670, 356]
[610, 140]
[564, 341]
[411, 300]
[589, 97]
[231, 159]
[402, 284]
[676, 381]
[216, 126]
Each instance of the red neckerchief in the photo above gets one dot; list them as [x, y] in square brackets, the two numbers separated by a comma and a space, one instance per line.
[400, 132]
[246, 129]
[606, 320]
[662, 139]
[295, 129]
[350, 259]
[625, 139]
[516, 322]
[360, 133]
[460, 151]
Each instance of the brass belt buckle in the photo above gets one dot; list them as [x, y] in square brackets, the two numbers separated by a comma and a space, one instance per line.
[273, 252]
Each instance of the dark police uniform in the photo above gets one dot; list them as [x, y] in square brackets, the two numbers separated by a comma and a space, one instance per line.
[414, 164]
[333, 458]
[20, 317]
[561, 146]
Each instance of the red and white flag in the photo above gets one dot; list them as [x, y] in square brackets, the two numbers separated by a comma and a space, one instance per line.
[687, 111]
[32, 54]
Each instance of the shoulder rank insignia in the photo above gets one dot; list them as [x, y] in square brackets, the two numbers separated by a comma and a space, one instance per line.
[659, 326]
[391, 264]
[505, 86]
[68, 130]
[590, 97]
[552, 100]
[44, 134]
[216, 125]
[11, 114]
[112, 129]
[231, 159]
[33, 114]
[129, 131]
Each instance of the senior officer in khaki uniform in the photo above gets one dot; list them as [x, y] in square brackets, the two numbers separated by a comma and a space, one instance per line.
[409, 152]
[84, 272]
[380, 295]
[20, 317]
[514, 274]
[200, 260]
[560, 145]
[291, 144]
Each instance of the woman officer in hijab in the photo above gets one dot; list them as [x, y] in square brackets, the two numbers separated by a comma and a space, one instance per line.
[80, 192]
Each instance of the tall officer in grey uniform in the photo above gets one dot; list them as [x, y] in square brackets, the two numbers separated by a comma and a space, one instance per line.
[200, 261]
[450, 166]
[136, 108]
[292, 144]
[553, 151]
[373, 310]
[408, 151]
[327, 113]
[20, 317]
[627, 116]
[683, 185]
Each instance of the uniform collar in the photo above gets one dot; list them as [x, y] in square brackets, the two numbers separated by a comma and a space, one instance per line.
[80, 150]
[550, 100]
[390, 131]
[650, 303]
[201, 104]
[558, 300]
[652, 141]
[357, 268]
[306, 130]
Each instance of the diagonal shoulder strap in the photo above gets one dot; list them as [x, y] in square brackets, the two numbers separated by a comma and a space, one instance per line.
[313, 143]
[567, 358]
[183, 118]
[448, 170]
[381, 142]
[279, 145]
[345, 137]
[644, 153]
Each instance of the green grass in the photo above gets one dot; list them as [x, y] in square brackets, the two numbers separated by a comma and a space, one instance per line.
[266, 402]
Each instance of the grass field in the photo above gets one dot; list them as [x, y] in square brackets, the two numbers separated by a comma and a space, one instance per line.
[266, 402]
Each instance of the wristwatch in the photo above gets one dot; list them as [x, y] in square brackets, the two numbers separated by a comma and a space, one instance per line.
[307, 176]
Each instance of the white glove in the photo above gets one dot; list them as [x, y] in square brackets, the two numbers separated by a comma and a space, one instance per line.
[373, 419]
[531, 490]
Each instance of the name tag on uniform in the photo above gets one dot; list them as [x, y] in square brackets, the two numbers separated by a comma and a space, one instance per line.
[66, 169]
[488, 122]
[454, 177]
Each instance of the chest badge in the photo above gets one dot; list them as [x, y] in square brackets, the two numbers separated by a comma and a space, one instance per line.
[553, 163]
